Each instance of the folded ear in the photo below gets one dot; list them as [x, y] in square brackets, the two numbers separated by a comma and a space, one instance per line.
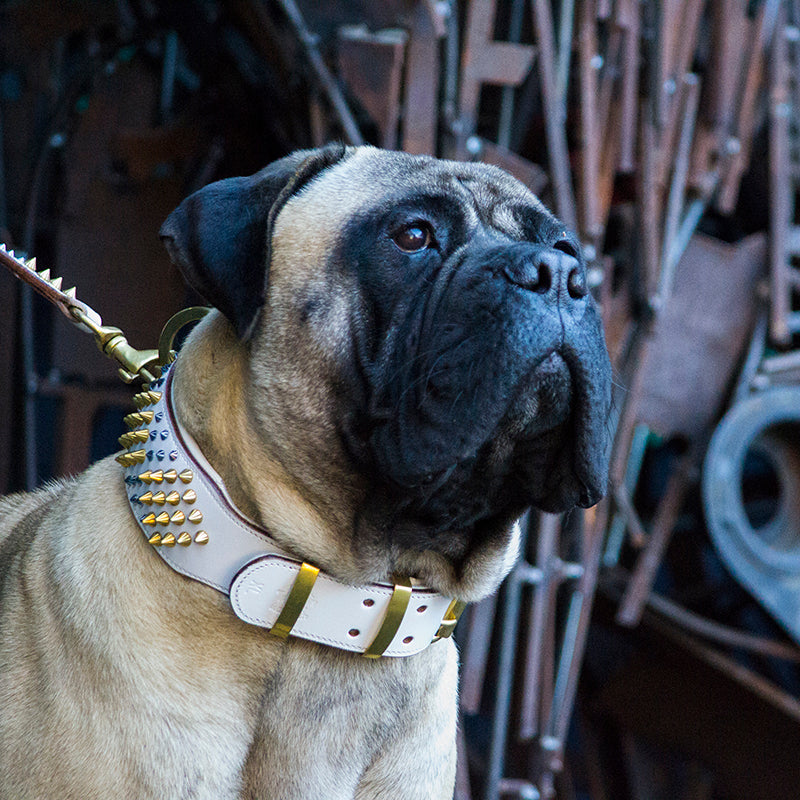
[220, 236]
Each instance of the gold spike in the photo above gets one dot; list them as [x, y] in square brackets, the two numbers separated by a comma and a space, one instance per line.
[155, 540]
[158, 498]
[71, 293]
[189, 496]
[146, 476]
[147, 416]
[150, 519]
[146, 498]
[157, 476]
[133, 437]
[186, 476]
[133, 420]
[168, 540]
[170, 476]
[56, 282]
[195, 516]
[123, 459]
[185, 539]
[154, 397]
[201, 537]
[173, 498]
[137, 456]
[141, 400]
[163, 518]
[178, 518]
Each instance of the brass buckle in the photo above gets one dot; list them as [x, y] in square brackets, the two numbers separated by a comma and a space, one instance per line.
[296, 601]
[398, 603]
[454, 611]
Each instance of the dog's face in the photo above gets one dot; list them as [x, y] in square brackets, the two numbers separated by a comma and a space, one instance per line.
[420, 337]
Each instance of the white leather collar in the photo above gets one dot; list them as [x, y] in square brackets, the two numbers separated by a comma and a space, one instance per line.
[184, 511]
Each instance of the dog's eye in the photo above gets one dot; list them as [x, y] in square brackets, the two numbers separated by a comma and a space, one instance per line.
[414, 237]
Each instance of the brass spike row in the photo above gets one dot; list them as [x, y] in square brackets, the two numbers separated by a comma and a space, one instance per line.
[186, 476]
[170, 476]
[157, 476]
[146, 498]
[149, 519]
[163, 518]
[189, 496]
[137, 456]
[178, 517]
[173, 498]
[168, 540]
[146, 476]
[158, 498]
[155, 540]
[185, 539]
[201, 537]
[195, 516]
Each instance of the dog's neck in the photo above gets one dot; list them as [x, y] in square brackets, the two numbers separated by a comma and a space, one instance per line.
[212, 394]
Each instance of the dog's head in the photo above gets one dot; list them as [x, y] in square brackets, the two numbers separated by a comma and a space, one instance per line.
[420, 335]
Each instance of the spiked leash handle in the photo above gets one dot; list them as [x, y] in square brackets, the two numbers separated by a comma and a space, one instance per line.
[132, 363]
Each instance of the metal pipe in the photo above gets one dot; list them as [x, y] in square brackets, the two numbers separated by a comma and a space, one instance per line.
[507, 100]
[505, 677]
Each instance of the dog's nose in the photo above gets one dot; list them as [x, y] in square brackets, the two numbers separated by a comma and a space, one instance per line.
[545, 269]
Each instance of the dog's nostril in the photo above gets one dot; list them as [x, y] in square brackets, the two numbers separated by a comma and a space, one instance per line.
[544, 277]
[576, 283]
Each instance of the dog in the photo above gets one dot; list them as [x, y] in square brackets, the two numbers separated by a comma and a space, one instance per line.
[402, 358]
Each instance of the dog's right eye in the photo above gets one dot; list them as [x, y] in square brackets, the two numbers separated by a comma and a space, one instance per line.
[414, 237]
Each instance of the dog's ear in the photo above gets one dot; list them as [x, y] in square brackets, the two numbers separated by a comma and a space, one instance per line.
[220, 236]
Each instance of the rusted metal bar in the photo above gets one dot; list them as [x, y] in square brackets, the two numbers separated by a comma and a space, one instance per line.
[648, 203]
[589, 59]
[310, 43]
[420, 99]
[685, 49]
[628, 18]
[779, 181]
[574, 639]
[761, 687]
[565, 26]
[722, 634]
[505, 676]
[690, 92]
[741, 143]
[644, 574]
[558, 155]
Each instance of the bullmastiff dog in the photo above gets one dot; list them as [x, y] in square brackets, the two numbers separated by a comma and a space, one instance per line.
[403, 357]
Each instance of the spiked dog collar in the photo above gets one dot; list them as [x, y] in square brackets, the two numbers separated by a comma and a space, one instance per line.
[184, 511]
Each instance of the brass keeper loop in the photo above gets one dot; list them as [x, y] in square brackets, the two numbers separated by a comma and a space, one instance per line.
[398, 603]
[454, 611]
[296, 601]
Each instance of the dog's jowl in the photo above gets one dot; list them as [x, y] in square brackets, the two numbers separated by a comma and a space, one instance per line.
[255, 598]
